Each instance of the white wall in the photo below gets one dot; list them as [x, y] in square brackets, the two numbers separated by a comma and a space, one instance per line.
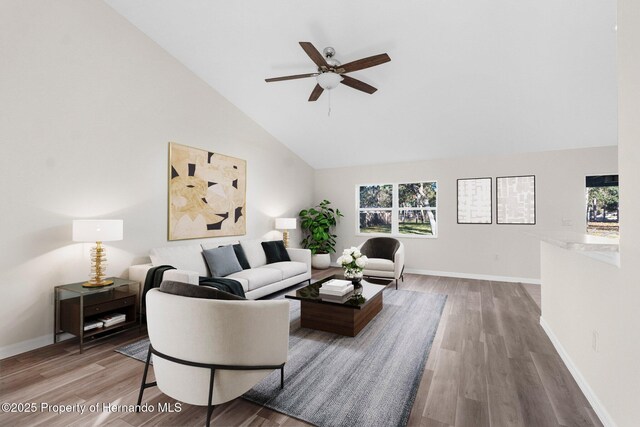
[624, 387]
[480, 250]
[87, 106]
[580, 295]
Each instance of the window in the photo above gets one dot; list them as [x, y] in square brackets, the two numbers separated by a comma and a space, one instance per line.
[375, 208]
[407, 209]
[602, 212]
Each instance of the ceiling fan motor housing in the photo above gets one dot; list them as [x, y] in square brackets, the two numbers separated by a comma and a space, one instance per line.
[329, 54]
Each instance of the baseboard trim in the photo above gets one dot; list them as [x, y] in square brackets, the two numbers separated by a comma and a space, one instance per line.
[473, 276]
[24, 346]
[598, 407]
[467, 275]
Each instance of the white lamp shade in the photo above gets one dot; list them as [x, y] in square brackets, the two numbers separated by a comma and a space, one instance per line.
[97, 230]
[285, 223]
[328, 80]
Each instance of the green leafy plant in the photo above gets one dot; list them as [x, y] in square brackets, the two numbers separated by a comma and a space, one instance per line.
[316, 223]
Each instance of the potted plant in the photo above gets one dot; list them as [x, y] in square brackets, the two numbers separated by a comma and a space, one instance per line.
[316, 224]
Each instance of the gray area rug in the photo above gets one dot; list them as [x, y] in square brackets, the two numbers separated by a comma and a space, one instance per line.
[138, 350]
[369, 380]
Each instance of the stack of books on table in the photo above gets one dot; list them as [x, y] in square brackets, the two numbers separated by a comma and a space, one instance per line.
[336, 290]
[111, 319]
[92, 324]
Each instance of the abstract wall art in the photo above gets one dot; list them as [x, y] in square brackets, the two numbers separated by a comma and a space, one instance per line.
[474, 201]
[516, 199]
[207, 194]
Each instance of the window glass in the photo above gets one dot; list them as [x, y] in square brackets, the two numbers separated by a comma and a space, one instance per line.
[376, 196]
[416, 222]
[375, 221]
[420, 194]
[603, 211]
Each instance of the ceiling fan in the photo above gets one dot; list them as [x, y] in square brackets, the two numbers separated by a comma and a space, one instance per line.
[330, 72]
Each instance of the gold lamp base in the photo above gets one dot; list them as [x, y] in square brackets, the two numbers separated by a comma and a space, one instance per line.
[285, 238]
[98, 267]
[97, 285]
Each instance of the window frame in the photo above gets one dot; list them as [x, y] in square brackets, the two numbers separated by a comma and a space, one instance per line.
[586, 190]
[395, 210]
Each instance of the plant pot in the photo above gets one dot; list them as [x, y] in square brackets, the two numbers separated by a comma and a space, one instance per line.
[321, 261]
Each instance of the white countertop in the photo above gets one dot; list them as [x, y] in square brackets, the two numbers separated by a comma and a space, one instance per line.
[578, 241]
[603, 249]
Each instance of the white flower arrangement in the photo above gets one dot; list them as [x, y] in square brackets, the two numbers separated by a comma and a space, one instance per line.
[353, 262]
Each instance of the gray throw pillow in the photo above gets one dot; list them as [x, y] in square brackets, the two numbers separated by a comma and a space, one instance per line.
[195, 291]
[222, 261]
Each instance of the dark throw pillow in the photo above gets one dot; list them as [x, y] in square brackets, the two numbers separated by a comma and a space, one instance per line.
[275, 251]
[195, 291]
[242, 257]
[222, 261]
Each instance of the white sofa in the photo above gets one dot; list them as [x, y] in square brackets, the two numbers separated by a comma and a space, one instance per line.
[260, 280]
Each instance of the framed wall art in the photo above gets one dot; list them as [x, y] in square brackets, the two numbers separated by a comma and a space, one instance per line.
[516, 200]
[474, 201]
[207, 194]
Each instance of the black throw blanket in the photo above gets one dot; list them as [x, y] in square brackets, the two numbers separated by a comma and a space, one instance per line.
[227, 285]
[154, 279]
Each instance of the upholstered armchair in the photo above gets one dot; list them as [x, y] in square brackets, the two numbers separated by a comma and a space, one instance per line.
[386, 258]
[210, 351]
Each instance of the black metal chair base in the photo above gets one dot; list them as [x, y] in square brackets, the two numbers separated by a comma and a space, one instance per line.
[210, 406]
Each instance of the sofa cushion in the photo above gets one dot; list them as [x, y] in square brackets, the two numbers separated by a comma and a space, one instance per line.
[195, 291]
[288, 268]
[379, 264]
[222, 261]
[275, 251]
[254, 252]
[181, 257]
[258, 277]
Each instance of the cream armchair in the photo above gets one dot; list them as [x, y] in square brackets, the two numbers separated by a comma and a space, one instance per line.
[210, 351]
[386, 258]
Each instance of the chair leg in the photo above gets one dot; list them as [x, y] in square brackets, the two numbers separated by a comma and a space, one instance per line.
[282, 378]
[396, 284]
[210, 406]
[144, 379]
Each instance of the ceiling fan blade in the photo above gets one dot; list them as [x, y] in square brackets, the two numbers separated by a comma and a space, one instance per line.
[313, 53]
[357, 84]
[296, 76]
[363, 63]
[317, 91]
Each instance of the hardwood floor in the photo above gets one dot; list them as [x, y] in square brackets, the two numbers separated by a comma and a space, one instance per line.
[490, 365]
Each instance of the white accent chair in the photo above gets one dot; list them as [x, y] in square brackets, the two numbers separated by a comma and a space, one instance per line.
[210, 351]
[385, 258]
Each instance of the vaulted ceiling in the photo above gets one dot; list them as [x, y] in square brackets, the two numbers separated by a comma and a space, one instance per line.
[466, 77]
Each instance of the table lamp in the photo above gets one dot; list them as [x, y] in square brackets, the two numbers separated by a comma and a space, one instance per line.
[97, 230]
[285, 224]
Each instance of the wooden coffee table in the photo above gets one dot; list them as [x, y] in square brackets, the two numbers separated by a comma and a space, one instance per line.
[346, 318]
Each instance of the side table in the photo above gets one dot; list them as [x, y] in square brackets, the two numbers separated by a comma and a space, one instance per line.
[75, 305]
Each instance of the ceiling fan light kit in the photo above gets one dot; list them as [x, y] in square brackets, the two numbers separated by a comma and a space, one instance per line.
[331, 72]
[329, 80]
